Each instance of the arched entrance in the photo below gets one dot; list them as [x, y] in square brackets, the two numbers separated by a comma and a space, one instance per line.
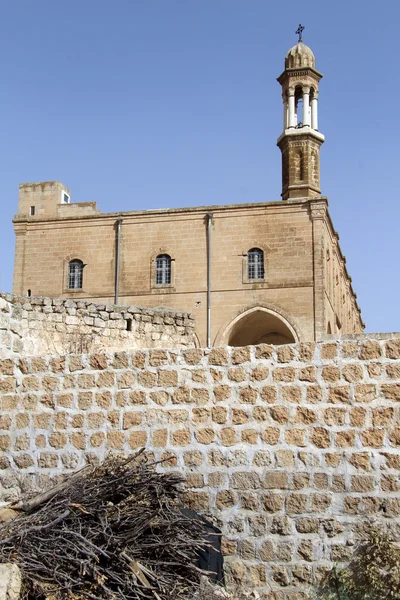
[260, 326]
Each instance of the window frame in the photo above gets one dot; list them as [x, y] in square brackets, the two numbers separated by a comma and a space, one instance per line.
[153, 271]
[77, 262]
[258, 267]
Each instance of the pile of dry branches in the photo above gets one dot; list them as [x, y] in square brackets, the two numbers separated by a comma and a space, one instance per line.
[111, 532]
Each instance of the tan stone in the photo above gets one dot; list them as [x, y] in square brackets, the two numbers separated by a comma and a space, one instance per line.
[248, 395]
[120, 361]
[138, 360]
[308, 374]
[295, 437]
[362, 483]
[193, 357]
[147, 379]
[239, 416]
[196, 500]
[285, 354]
[270, 435]
[181, 395]
[181, 437]
[103, 399]
[137, 397]
[85, 400]
[167, 378]
[249, 436]
[305, 416]
[276, 480]
[320, 437]
[345, 439]
[57, 440]
[365, 392]
[314, 394]
[349, 349]
[137, 439]
[291, 393]
[218, 356]
[260, 373]
[226, 499]
[193, 458]
[222, 392]
[372, 438]
[391, 391]
[393, 371]
[392, 349]
[331, 373]
[219, 414]
[268, 393]
[160, 398]
[200, 396]
[97, 439]
[181, 416]
[199, 376]
[382, 416]
[284, 374]
[158, 358]
[339, 395]
[201, 415]
[264, 351]
[237, 374]
[105, 380]
[370, 350]
[205, 436]
[115, 439]
[98, 361]
[352, 373]
[240, 355]
[329, 351]
[334, 416]
[261, 413]
[228, 436]
[131, 419]
[284, 458]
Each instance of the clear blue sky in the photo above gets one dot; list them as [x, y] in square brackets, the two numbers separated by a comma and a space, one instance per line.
[166, 103]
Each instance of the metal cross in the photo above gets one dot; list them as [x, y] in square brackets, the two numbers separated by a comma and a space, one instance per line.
[299, 32]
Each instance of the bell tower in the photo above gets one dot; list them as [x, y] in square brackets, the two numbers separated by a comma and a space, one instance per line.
[300, 141]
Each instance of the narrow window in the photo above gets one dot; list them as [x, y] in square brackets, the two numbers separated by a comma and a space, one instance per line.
[32, 211]
[163, 269]
[65, 198]
[75, 274]
[255, 263]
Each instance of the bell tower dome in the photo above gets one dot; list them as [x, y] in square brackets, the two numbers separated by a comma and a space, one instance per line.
[300, 141]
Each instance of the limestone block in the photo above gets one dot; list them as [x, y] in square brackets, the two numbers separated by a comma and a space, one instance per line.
[10, 582]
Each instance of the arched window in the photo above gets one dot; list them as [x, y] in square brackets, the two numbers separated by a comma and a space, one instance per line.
[75, 274]
[163, 269]
[255, 264]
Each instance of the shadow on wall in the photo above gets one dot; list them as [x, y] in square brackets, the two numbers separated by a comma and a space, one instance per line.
[260, 326]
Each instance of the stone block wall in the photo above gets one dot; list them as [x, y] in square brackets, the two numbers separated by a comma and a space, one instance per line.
[36, 326]
[287, 448]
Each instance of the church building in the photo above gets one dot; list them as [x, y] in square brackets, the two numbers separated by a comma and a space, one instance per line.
[262, 272]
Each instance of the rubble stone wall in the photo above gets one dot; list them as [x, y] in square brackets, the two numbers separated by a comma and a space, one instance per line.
[37, 326]
[286, 447]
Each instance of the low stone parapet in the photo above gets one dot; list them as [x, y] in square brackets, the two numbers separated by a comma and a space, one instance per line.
[37, 325]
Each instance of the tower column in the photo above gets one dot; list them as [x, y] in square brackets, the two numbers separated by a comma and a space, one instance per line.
[285, 113]
[306, 105]
[292, 110]
[314, 111]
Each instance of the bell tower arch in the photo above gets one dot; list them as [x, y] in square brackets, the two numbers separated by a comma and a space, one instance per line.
[301, 140]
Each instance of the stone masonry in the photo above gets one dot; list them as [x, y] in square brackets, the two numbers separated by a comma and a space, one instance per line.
[287, 448]
[34, 326]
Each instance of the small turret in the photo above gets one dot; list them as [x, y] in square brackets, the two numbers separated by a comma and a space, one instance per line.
[300, 141]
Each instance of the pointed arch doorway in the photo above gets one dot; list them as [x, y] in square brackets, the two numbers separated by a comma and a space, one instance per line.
[259, 326]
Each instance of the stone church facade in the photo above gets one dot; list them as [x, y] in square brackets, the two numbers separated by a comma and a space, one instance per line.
[263, 272]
